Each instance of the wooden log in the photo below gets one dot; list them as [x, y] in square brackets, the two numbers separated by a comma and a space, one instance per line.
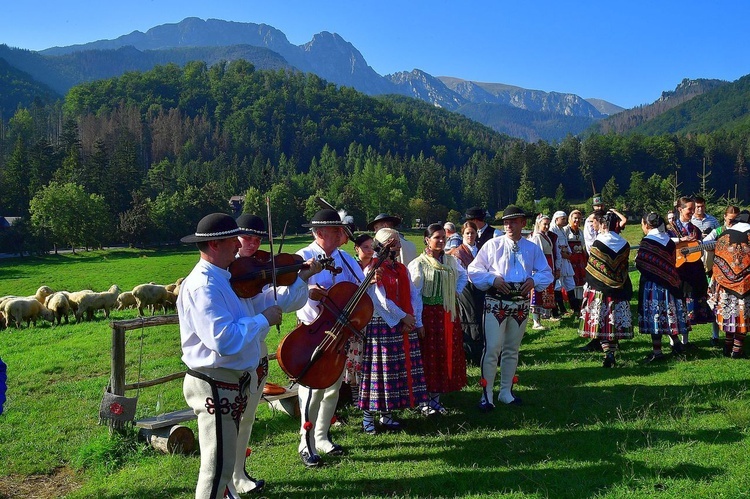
[175, 439]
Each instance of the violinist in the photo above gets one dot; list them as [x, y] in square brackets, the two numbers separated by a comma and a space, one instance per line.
[221, 341]
[289, 298]
[317, 406]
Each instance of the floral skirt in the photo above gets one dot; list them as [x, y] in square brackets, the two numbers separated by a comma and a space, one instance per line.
[353, 366]
[605, 318]
[659, 312]
[391, 378]
[443, 355]
[732, 312]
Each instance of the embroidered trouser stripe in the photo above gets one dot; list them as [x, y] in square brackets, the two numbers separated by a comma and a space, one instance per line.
[216, 405]
[503, 335]
[317, 408]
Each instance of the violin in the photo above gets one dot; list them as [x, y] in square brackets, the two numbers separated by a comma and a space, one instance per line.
[314, 355]
[250, 274]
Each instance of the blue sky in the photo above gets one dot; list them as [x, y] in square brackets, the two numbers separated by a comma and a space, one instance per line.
[624, 52]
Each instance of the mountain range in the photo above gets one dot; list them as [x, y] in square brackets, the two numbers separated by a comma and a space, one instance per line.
[528, 114]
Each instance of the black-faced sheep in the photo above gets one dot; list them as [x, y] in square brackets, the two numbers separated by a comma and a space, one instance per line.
[125, 300]
[26, 309]
[91, 302]
[151, 295]
[59, 305]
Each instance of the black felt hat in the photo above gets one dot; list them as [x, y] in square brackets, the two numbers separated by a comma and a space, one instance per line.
[475, 213]
[326, 218]
[384, 217]
[213, 227]
[252, 224]
[513, 211]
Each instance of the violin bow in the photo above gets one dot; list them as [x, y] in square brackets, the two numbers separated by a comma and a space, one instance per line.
[283, 236]
[273, 258]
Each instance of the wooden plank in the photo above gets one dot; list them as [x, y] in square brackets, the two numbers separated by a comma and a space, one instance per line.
[155, 381]
[176, 417]
[156, 320]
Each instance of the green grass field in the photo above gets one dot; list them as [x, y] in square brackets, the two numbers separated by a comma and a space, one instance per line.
[678, 429]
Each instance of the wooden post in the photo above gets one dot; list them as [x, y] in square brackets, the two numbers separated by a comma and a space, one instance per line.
[117, 378]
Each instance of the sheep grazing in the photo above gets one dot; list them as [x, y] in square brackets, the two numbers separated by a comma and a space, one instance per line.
[74, 299]
[59, 305]
[42, 293]
[153, 295]
[2, 320]
[91, 302]
[26, 309]
[125, 300]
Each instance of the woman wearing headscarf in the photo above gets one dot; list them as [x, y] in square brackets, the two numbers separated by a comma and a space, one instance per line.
[730, 290]
[605, 312]
[543, 302]
[392, 371]
[439, 278]
[661, 309]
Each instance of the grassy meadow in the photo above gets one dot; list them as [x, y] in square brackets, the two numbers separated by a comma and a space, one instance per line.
[677, 429]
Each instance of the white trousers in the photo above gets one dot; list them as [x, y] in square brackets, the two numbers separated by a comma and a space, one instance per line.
[503, 334]
[317, 407]
[219, 406]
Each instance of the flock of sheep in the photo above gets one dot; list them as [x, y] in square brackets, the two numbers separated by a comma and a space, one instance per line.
[55, 306]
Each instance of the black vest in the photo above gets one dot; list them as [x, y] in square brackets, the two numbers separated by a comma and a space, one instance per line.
[489, 233]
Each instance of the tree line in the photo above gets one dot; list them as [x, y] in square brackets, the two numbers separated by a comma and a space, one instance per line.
[148, 153]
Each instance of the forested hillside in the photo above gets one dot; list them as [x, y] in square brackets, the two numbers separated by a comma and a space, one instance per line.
[148, 153]
[18, 87]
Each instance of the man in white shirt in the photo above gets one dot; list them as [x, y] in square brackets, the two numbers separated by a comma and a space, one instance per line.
[221, 348]
[317, 406]
[508, 268]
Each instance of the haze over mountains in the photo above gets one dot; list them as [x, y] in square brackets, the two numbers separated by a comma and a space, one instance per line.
[528, 114]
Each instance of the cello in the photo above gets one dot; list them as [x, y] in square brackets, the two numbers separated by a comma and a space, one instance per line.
[314, 355]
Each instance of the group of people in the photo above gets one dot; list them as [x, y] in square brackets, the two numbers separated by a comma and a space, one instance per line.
[466, 296]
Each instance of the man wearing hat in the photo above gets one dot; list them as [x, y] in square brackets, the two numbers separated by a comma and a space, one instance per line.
[317, 406]
[508, 268]
[220, 341]
[289, 298]
[484, 231]
[589, 233]
[408, 248]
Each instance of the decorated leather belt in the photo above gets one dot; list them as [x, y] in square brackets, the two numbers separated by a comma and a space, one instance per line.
[514, 295]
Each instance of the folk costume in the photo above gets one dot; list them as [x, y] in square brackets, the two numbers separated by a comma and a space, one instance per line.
[392, 375]
[693, 277]
[577, 258]
[730, 291]
[564, 281]
[221, 346]
[317, 406]
[485, 233]
[470, 307]
[661, 309]
[543, 302]
[408, 249]
[438, 281]
[505, 316]
[605, 313]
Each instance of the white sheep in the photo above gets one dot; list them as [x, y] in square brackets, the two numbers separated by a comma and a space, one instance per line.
[150, 295]
[59, 305]
[74, 298]
[125, 300]
[2, 320]
[26, 309]
[91, 302]
[41, 295]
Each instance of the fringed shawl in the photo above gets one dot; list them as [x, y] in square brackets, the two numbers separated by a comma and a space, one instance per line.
[656, 263]
[607, 270]
[439, 281]
[732, 260]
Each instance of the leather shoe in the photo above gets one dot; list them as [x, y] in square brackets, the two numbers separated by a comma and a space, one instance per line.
[485, 406]
[515, 401]
[592, 346]
[716, 342]
[609, 360]
[308, 460]
[654, 357]
[336, 450]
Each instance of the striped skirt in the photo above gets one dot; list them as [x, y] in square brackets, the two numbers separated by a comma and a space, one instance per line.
[605, 318]
[391, 378]
[659, 312]
[732, 312]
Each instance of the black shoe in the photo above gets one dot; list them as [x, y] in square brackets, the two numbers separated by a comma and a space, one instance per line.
[678, 348]
[592, 346]
[485, 407]
[737, 355]
[308, 460]
[515, 401]
[336, 450]
[655, 357]
[259, 486]
[716, 342]
[609, 360]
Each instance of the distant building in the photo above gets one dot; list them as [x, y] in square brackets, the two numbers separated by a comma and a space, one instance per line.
[237, 203]
[6, 222]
